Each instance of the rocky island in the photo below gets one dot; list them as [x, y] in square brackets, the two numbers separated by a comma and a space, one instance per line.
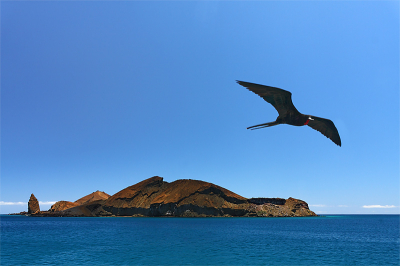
[154, 197]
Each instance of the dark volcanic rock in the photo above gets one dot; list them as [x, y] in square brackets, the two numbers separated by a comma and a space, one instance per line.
[260, 201]
[33, 205]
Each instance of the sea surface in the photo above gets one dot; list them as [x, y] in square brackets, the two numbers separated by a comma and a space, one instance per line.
[326, 240]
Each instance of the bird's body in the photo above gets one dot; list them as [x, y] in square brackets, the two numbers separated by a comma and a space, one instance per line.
[288, 114]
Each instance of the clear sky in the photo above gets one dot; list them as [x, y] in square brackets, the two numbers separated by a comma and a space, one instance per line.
[99, 95]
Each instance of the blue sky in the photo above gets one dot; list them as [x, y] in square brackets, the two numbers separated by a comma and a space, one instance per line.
[99, 95]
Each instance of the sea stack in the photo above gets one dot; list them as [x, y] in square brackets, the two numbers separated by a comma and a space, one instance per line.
[33, 205]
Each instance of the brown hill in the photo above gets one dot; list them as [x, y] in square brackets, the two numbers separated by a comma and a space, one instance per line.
[87, 210]
[62, 205]
[154, 197]
[98, 195]
[65, 205]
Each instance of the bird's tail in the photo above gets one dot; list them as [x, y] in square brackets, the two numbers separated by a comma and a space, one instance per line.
[263, 125]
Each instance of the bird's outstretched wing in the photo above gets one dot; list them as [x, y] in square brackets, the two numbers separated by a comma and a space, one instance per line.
[327, 128]
[280, 99]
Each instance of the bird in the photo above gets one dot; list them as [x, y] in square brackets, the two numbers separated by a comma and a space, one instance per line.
[288, 114]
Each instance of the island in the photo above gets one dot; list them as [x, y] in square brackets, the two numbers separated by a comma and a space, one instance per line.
[154, 197]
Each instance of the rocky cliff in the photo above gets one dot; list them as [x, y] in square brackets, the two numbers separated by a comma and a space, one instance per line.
[181, 198]
[33, 205]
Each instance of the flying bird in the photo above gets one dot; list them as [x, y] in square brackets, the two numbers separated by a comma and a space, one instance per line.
[288, 114]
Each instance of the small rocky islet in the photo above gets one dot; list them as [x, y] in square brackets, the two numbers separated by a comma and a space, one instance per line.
[154, 197]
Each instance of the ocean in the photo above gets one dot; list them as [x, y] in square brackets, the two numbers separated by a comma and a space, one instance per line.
[324, 240]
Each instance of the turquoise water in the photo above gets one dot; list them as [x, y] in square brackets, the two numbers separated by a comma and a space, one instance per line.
[329, 240]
